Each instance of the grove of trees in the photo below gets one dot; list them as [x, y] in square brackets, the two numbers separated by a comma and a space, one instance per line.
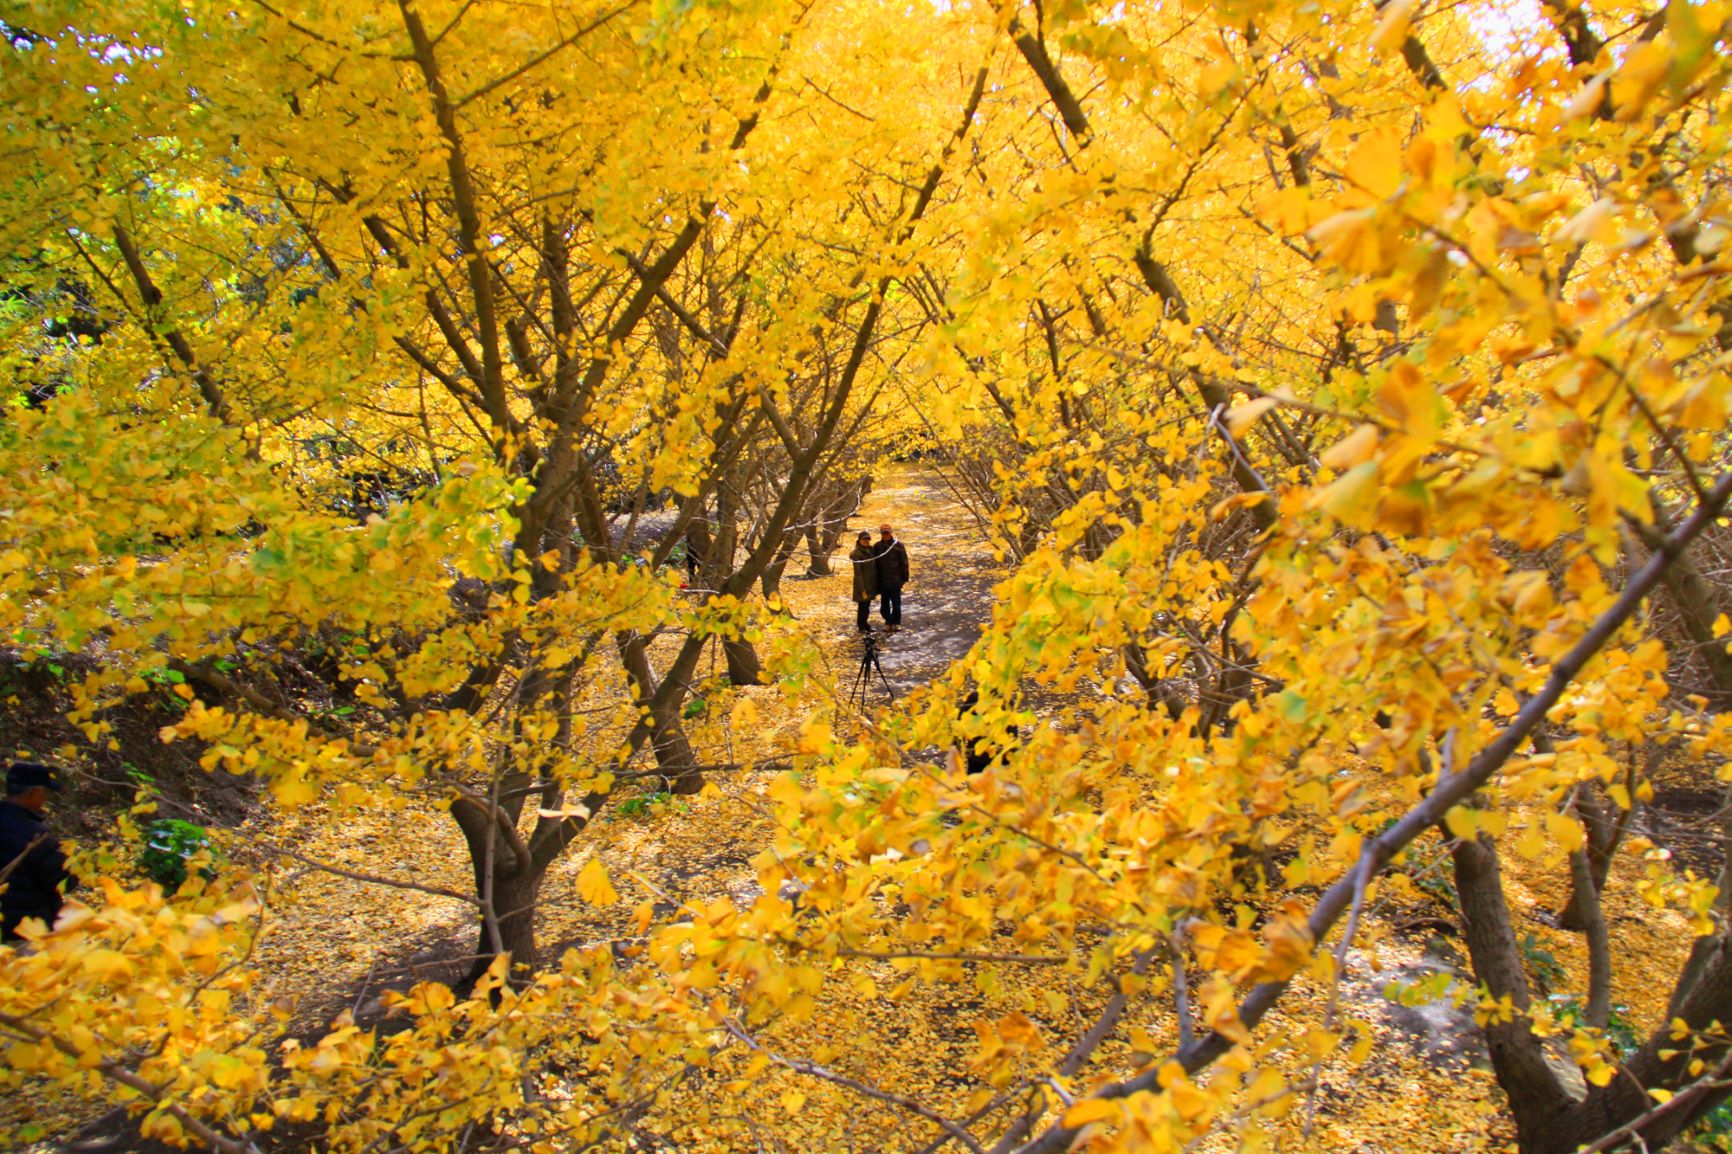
[427, 395]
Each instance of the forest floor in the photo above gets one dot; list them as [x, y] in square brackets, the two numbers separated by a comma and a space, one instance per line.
[333, 944]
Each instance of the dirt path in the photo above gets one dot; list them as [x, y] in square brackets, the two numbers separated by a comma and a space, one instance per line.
[695, 850]
[948, 596]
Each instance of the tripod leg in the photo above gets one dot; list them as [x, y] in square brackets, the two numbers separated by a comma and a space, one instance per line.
[857, 695]
[890, 693]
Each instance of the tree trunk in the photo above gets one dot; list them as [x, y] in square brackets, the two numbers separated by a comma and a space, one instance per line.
[1626, 1097]
[1537, 1098]
[744, 668]
[771, 585]
[700, 546]
[506, 882]
[770, 581]
[514, 901]
[1698, 604]
[824, 534]
[818, 564]
[830, 537]
[1703, 949]
[1604, 825]
[1158, 693]
[673, 752]
[1548, 1119]
[719, 563]
[1232, 685]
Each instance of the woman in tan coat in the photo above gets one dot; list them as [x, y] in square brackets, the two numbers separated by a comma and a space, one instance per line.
[865, 560]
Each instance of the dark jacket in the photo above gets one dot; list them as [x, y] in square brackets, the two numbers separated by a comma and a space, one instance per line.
[892, 565]
[983, 751]
[33, 886]
[865, 560]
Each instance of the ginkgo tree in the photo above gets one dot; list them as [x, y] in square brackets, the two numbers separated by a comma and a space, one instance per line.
[1345, 382]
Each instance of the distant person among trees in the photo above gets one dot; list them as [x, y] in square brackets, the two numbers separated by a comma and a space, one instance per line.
[980, 753]
[865, 559]
[32, 865]
[892, 575]
[697, 547]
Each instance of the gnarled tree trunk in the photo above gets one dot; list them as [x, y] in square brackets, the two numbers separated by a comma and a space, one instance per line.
[673, 752]
[1549, 1119]
[507, 881]
[513, 900]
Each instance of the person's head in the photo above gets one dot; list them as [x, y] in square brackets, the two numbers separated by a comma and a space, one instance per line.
[885, 529]
[28, 784]
[865, 538]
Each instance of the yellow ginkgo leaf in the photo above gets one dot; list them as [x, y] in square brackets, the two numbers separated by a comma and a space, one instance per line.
[593, 884]
[1242, 416]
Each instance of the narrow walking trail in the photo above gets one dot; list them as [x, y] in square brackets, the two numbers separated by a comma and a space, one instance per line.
[692, 849]
[948, 597]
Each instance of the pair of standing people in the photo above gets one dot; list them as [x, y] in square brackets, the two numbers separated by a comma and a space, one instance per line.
[880, 570]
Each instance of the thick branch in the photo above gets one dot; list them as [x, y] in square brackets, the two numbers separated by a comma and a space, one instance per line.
[151, 296]
[1069, 107]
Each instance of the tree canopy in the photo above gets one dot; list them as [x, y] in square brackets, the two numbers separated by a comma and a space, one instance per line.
[416, 393]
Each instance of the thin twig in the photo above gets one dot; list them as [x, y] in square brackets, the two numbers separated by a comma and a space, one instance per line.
[813, 1070]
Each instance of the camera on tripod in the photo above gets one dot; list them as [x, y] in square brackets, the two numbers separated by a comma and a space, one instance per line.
[869, 664]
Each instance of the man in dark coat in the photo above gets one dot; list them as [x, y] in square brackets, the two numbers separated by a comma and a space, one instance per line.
[982, 752]
[32, 865]
[865, 559]
[892, 575]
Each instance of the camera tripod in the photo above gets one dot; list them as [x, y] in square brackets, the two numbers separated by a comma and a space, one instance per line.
[863, 679]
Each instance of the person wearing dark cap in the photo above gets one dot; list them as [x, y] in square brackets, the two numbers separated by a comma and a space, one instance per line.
[32, 864]
[892, 575]
[865, 560]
